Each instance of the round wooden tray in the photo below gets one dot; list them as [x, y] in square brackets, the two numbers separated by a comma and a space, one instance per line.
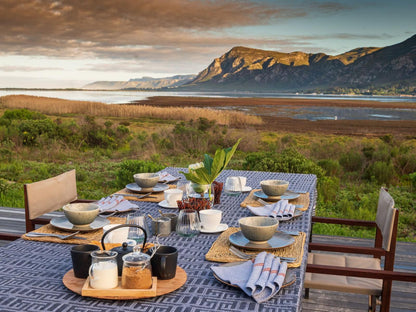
[163, 286]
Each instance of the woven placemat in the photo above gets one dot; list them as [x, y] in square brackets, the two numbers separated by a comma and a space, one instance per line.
[251, 200]
[90, 236]
[155, 197]
[219, 251]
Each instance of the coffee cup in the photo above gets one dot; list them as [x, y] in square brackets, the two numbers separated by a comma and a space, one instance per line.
[243, 181]
[164, 262]
[161, 226]
[172, 196]
[210, 219]
[81, 259]
[117, 236]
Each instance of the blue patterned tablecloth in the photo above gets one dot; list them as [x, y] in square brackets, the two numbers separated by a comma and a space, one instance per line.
[31, 272]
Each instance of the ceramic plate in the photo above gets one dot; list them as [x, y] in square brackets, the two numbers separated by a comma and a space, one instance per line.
[64, 224]
[221, 228]
[289, 279]
[165, 204]
[246, 189]
[287, 195]
[157, 188]
[278, 240]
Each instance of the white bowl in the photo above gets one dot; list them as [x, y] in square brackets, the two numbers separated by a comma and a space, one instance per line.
[81, 214]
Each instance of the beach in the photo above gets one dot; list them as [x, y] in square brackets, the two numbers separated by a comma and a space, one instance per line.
[370, 128]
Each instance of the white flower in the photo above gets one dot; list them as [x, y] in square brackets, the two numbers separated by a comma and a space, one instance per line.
[196, 166]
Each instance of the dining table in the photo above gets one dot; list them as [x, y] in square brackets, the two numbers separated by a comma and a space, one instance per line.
[31, 272]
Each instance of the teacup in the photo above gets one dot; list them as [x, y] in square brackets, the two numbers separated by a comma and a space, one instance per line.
[210, 219]
[234, 185]
[172, 196]
[117, 236]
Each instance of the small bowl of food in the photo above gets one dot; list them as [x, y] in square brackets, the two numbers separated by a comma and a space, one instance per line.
[274, 187]
[146, 180]
[81, 214]
[258, 229]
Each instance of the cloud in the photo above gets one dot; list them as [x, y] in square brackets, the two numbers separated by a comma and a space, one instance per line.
[26, 68]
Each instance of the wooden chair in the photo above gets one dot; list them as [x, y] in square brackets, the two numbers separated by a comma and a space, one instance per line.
[49, 195]
[354, 274]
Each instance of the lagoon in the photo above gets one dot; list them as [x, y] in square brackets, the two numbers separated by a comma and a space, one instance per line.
[309, 113]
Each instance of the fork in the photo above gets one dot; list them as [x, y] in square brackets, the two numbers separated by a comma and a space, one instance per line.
[63, 237]
[243, 255]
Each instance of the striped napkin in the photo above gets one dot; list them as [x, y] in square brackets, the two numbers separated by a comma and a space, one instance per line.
[261, 278]
[280, 210]
[115, 203]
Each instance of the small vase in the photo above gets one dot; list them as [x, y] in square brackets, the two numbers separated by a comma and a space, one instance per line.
[203, 191]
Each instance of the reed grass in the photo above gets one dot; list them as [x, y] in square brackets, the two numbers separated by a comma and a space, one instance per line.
[54, 106]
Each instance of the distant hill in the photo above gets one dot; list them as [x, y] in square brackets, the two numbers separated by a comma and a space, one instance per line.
[141, 83]
[252, 69]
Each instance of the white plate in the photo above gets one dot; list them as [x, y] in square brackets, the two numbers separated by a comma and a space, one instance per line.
[63, 224]
[221, 228]
[246, 189]
[165, 204]
[157, 188]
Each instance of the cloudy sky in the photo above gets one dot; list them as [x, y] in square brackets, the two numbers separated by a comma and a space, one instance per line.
[64, 43]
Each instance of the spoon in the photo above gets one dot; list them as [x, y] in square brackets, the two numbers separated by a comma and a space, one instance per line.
[153, 219]
[161, 213]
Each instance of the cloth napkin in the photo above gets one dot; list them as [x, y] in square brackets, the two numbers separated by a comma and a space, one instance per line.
[280, 210]
[115, 203]
[166, 177]
[261, 278]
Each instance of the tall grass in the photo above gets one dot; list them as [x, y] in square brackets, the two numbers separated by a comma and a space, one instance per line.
[53, 106]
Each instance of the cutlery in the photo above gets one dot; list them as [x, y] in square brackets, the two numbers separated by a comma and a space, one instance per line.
[293, 233]
[243, 255]
[137, 196]
[264, 203]
[63, 237]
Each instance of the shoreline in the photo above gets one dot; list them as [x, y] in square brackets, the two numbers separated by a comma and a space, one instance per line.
[368, 128]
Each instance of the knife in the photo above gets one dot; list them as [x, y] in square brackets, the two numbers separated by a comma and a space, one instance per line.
[51, 235]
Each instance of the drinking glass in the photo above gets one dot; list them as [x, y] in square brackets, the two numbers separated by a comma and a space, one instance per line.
[183, 185]
[188, 223]
[233, 186]
[137, 234]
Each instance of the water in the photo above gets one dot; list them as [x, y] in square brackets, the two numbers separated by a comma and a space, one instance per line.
[309, 113]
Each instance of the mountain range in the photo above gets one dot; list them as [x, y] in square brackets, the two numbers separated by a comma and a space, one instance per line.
[250, 69]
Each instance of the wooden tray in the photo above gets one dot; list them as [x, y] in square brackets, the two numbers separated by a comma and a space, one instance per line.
[88, 291]
[163, 286]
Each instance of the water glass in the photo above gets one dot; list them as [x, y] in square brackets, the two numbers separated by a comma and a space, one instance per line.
[184, 185]
[188, 224]
[137, 234]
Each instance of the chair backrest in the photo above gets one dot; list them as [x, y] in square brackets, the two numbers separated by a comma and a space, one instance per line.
[385, 217]
[50, 194]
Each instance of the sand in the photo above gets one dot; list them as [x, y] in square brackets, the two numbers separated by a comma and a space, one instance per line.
[370, 128]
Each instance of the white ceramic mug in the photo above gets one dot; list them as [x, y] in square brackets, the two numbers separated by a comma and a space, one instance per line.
[117, 236]
[210, 219]
[173, 195]
[243, 181]
[233, 185]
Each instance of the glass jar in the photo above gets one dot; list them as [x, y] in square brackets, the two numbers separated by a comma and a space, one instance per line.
[103, 270]
[137, 271]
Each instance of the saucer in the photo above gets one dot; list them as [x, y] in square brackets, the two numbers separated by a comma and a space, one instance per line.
[157, 188]
[221, 228]
[165, 204]
[278, 240]
[63, 224]
[246, 189]
[286, 195]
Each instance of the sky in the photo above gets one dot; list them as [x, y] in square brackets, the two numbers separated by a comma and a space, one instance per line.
[69, 43]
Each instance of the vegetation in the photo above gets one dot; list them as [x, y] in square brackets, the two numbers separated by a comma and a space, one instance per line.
[107, 150]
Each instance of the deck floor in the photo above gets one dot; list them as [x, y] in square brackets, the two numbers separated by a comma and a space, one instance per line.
[403, 296]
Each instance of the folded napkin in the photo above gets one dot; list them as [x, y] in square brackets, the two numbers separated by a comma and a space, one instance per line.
[280, 210]
[115, 203]
[261, 278]
[166, 177]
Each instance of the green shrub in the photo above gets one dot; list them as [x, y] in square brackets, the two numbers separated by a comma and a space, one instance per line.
[331, 167]
[31, 130]
[351, 161]
[383, 173]
[328, 188]
[128, 168]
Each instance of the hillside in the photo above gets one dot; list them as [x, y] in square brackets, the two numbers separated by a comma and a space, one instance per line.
[244, 68]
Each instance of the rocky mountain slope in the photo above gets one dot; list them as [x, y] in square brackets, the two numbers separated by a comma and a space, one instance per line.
[251, 69]
[141, 83]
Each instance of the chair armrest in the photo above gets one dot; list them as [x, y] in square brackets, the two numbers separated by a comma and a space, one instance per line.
[348, 249]
[367, 273]
[344, 221]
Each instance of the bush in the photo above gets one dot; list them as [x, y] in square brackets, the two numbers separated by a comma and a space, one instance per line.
[351, 161]
[331, 167]
[383, 173]
[287, 161]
